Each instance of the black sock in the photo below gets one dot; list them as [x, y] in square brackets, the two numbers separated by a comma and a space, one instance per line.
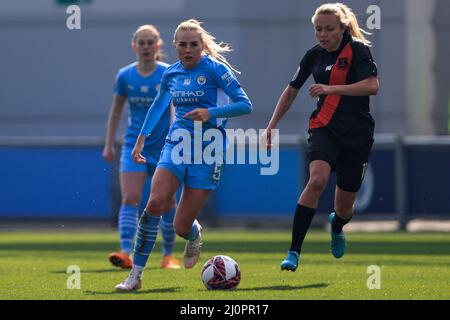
[302, 221]
[338, 223]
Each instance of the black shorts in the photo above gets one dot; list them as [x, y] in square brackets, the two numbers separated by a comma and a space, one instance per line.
[349, 162]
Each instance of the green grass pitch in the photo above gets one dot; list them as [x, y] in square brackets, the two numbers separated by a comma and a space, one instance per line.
[412, 266]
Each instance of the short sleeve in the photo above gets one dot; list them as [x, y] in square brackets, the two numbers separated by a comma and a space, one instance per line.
[303, 70]
[119, 85]
[365, 66]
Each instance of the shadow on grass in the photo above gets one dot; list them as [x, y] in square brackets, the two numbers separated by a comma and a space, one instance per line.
[112, 270]
[90, 271]
[135, 292]
[383, 261]
[287, 288]
[354, 247]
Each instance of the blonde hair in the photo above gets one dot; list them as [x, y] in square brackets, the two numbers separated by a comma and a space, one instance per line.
[211, 47]
[346, 17]
[152, 29]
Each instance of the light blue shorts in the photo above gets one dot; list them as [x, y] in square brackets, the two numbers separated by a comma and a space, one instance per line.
[196, 176]
[127, 164]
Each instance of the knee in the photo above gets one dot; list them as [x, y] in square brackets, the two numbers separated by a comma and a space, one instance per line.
[317, 183]
[155, 206]
[131, 199]
[170, 205]
[181, 229]
[343, 210]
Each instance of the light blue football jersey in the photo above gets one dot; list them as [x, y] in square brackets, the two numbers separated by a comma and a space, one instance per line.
[211, 84]
[141, 92]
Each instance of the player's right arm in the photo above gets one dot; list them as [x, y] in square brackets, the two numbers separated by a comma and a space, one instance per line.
[288, 96]
[284, 103]
[160, 104]
[113, 123]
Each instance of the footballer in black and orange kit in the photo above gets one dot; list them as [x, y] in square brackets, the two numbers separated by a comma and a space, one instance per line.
[340, 128]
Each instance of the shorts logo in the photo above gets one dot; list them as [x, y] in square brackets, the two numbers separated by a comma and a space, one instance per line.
[342, 63]
[187, 81]
[201, 80]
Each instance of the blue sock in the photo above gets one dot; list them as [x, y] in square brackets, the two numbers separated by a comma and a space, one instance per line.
[128, 219]
[194, 232]
[168, 234]
[145, 238]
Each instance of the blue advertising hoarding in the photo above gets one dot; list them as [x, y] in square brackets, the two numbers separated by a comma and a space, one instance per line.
[55, 182]
[75, 182]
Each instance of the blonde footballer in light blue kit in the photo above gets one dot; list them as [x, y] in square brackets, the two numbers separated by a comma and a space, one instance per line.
[202, 87]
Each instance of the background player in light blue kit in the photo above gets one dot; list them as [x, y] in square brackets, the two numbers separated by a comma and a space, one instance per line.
[139, 83]
[200, 87]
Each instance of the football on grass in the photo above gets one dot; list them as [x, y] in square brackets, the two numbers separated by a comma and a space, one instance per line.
[221, 273]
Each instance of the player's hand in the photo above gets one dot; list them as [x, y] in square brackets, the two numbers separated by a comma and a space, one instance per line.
[199, 114]
[266, 138]
[319, 90]
[136, 153]
[109, 153]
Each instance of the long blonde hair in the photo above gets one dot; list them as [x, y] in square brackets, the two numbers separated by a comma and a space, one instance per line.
[346, 17]
[211, 47]
[152, 29]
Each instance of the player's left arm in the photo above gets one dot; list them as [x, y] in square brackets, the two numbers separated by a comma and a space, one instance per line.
[366, 87]
[225, 80]
[365, 74]
[241, 105]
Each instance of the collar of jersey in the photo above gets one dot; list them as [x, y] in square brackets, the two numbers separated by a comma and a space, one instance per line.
[346, 38]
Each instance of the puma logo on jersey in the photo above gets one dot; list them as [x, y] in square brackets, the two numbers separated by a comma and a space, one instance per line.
[328, 68]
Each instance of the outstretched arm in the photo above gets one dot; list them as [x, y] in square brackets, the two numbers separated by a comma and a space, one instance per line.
[284, 103]
[154, 114]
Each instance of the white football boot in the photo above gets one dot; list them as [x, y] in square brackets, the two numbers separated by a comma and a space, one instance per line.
[132, 282]
[192, 250]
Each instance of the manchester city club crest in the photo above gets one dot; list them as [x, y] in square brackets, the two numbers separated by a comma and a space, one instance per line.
[201, 80]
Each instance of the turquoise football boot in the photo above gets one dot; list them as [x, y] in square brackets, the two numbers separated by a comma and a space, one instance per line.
[337, 244]
[290, 262]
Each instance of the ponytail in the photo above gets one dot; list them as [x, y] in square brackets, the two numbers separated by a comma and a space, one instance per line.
[352, 26]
